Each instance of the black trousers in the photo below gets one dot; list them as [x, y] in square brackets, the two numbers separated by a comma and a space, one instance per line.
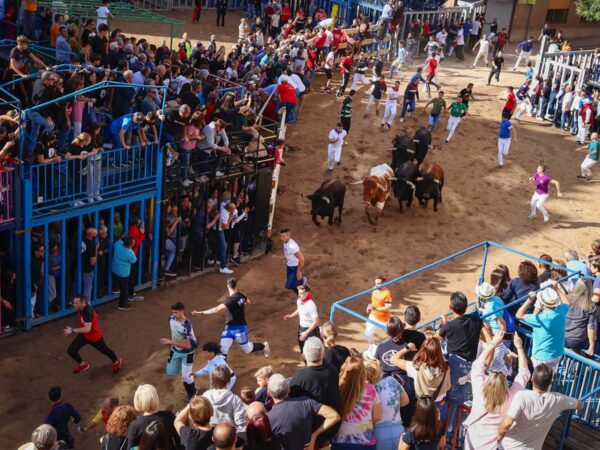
[301, 330]
[494, 71]
[123, 284]
[79, 342]
[346, 123]
[221, 17]
[345, 79]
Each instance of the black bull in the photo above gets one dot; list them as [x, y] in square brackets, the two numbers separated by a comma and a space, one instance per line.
[326, 198]
[411, 149]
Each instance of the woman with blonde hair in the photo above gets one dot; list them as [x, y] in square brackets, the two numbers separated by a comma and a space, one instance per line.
[145, 401]
[78, 152]
[492, 396]
[392, 397]
[429, 370]
[360, 408]
[116, 427]
[334, 354]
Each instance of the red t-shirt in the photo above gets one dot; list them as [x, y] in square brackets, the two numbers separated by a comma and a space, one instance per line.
[286, 93]
[137, 236]
[511, 101]
[431, 66]
[269, 11]
[502, 38]
[346, 64]
[286, 13]
[86, 316]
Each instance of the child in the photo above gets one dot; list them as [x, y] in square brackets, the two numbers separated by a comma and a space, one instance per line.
[262, 376]
[211, 351]
[247, 395]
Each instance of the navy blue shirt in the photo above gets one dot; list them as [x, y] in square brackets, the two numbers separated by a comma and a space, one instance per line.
[517, 289]
[59, 417]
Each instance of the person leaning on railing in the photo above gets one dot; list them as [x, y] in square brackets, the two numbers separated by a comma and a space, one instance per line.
[492, 396]
[20, 59]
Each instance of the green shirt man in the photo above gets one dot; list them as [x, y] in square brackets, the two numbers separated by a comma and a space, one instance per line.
[458, 109]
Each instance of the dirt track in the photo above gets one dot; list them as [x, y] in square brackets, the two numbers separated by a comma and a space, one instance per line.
[481, 202]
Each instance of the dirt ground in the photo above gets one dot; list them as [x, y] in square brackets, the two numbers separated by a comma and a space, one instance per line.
[481, 203]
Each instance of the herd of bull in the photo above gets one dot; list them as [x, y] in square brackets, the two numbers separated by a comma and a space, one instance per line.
[407, 177]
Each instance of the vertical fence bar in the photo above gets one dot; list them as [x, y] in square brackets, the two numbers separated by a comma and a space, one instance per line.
[63, 264]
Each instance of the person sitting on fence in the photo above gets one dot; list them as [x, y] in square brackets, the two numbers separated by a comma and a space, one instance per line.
[548, 322]
[492, 395]
[539, 407]
[122, 130]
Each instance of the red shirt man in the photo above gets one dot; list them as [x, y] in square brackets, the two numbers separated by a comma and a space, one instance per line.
[431, 66]
[511, 101]
[286, 93]
[346, 65]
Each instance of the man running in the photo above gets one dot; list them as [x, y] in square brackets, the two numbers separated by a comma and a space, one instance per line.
[334, 149]
[525, 47]
[457, 111]
[467, 95]
[410, 97]
[346, 69]
[328, 69]
[360, 74]
[391, 103]
[432, 64]
[399, 62]
[439, 106]
[235, 325]
[504, 137]
[511, 103]
[484, 48]
[346, 111]
[379, 309]
[496, 67]
[377, 89]
[88, 334]
[294, 260]
[522, 99]
[183, 345]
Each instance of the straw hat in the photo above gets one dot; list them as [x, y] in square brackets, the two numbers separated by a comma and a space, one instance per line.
[549, 298]
[485, 291]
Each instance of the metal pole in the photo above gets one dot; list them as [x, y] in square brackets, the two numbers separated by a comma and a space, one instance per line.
[485, 255]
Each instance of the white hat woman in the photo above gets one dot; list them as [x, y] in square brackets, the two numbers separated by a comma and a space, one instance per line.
[490, 306]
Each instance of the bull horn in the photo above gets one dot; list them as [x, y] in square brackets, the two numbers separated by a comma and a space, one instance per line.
[356, 182]
[411, 184]
[326, 200]
[419, 179]
[435, 180]
[393, 178]
[410, 151]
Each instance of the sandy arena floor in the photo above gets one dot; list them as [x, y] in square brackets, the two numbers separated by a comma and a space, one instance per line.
[481, 202]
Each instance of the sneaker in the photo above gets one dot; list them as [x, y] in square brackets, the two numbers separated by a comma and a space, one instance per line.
[500, 166]
[219, 173]
[546, 218]
[389, 126]
[117, 365]
[81, 367]
[382, 125]
[168, 273]
[236, 260]
[531, 216]
[7, 329]
[124, 307]
[447, 141]
[401, 119]
[202, 179]
[226, 270]
[137, 298]
[186, 183]
[98, 198]
[210, 262]
[267, 350]
[191, 171]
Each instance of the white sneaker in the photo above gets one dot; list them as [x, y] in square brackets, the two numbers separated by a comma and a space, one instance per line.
[186, 183]
[267, 350]
[226, 270]
[219, 173]
[532, 216]
[546, 219]
[401, 119]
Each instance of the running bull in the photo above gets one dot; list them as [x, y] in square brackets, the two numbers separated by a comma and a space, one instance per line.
[376, 190]
[326, 198]
[429, 185]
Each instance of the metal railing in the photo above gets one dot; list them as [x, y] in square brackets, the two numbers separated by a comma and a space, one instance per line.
[107, 174]
[7, 195]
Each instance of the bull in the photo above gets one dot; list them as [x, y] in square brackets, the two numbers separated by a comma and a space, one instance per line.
[403, 150]
[422, 144]
[429, 185]
[325, 199]
[404, 187]
[376, 190]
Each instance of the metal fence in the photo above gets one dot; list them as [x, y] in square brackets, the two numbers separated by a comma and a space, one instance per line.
[7, 195]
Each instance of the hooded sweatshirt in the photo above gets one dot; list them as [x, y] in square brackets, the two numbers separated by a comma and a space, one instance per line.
[227, 406]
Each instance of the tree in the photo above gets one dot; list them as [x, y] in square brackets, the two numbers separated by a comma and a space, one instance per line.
[588, 9]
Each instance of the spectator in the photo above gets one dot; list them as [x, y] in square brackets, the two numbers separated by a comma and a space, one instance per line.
[43, 438]
[558, 276]
[580, 326]
[574, 264]
[306, 310]
[544, 268]
[215, 141]
[335, 354]
[248, 396]
[123, 259]
[548, 322]
[89, 251]
[412, 316]
[492, 396]
[391, 396]
[519, 287]
[108, 406]
[262, 376]
[492, 308]
[226, 405]
[429, 371]
[259, 434]
[193, 424]
[211, 351]
[426, 431]
[538, 407]
[102, 259]
[360, 407]
[60, 415]
[462, 340]
[292, 418]
[387, 349]
[146, 402]
[154, 436]
[173, 222]
[116, 428]
[224, 434]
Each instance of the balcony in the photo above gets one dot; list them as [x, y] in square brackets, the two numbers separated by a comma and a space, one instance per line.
[109, 175]
[7, 196]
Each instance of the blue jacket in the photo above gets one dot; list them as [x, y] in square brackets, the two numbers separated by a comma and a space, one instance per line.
[526, 46]
[59, 417]
[123, 258]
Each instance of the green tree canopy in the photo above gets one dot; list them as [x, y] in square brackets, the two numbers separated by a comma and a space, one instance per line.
[588, 9]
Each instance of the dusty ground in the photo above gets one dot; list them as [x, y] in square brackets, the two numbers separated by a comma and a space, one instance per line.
[481, 202]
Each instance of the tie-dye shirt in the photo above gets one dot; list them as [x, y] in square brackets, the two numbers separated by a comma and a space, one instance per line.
[389, 390]
[357, 427]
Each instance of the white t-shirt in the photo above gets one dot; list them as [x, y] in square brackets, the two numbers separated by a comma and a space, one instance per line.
[307, 312]
[475, 27]
[328, 38]
[534, 414]
[392, 96]
[326, 23]
[484, 45]
[297, 82]
[330, 60]
[224, 218]
[290, 248]
[460, 38]
[441, 37]
[333, 134]
[275, 20]
[102, 17]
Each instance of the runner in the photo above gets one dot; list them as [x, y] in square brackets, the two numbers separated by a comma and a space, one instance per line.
[496, 67]
[592, 157]
[484, 48]
[235, 325]
[542, 183]
[391, 103]
[511, 102]
[88, 334]
[522, 99]
[294, 261]
[457, 111]
[410, 97]
[525, 47]
[360, 74]
[334, 149]
[501, 40]
[328, 69]
[346, 111]
[467, 95]
[183, 345]
[378, 87]
[399, 62]
[306, 310]
[504, 135]
[431, 64]
[379, 309]
[439, 106]
[346, 69]
[586, 120]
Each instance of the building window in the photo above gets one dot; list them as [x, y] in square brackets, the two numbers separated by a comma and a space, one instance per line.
[557, 15]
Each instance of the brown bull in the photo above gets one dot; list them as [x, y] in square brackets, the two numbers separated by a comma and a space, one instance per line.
[376, 190]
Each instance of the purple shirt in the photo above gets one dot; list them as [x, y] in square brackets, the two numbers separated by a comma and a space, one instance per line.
[541, 183]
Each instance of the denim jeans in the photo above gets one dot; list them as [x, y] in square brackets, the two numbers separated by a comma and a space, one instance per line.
[575, 126]
[460, 370]
[576, 344]
[407, 105]
[388, 435]
[37, 122]
[184, 159]
[88, 284]
[291, 111]
[171, 250]
[222, 249]
[552, 102]
[291, 280]
[565, 119]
